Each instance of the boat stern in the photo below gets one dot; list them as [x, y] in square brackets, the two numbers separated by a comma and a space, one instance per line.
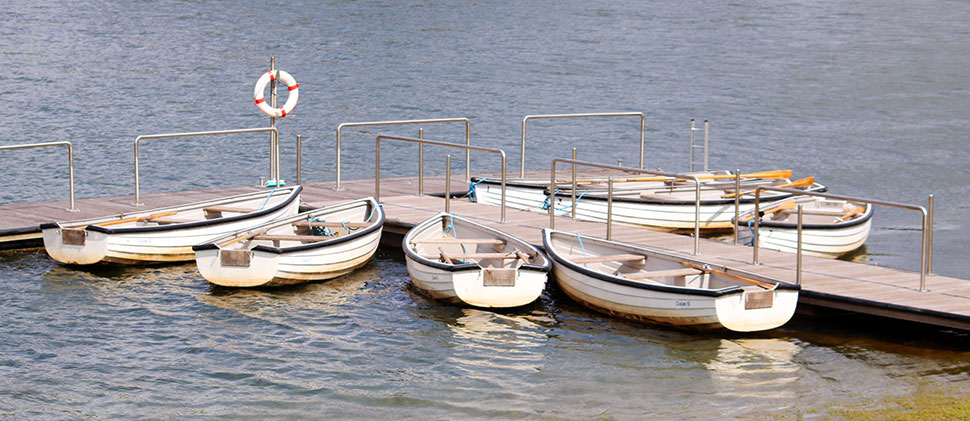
[241, 268]
[74, 246]
[755, 310]
[500, 287]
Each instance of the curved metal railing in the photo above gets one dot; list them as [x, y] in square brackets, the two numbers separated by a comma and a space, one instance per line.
[70, 161]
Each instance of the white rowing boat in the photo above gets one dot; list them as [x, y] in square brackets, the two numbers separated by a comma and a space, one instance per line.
[457, 260]
[648, 285]
[830, 228]
[164, 234]
[663, 205]
[319, 244]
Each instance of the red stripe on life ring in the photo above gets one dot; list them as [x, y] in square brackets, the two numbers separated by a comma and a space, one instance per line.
[259, 101]
[294, 86]
[282, 111]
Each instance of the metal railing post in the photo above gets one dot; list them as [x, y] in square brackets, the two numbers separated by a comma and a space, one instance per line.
[299, 159]
[274, 172]
[929, 236]
[70, 164]
[757, 213]
[552, 196]
[421, 164]
[448, 183]
[706, 125]
[468, 140]
[798, 261]
[737, 203]
[609, 209]
[643, 119]
[572, 212]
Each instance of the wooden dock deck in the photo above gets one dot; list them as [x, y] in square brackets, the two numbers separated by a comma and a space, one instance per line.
[826, 283]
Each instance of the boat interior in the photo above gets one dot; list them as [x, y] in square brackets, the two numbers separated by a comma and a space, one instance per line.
[308, 227]
[815, 210]
[456, 241]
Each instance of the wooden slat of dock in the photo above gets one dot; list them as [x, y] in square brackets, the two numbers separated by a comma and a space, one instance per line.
[828, 283]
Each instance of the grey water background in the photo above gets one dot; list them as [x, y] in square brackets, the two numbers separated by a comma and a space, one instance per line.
[870, 97]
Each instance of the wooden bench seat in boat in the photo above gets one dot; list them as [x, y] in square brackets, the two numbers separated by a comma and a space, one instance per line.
[494, 241]
[610, 258]
[228, 209]
[303, 238]
[474, 256]
[322, 224]
[662, 273]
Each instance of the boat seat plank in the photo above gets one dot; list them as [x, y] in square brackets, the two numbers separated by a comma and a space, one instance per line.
[475, 256]
[305, 238]
[610, 258]
[662, 273]
[494, 241]
[823, 212]
[302, 224]
[230, 209]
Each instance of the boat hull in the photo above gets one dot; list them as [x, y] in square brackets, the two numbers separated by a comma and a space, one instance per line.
[487, 282]
[93, 244]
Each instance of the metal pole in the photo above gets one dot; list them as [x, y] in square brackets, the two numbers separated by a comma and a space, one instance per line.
[609, 209]
[299, 159]
[448, 183]
[273, 140]
[697, 215]
[643, 123]
[468, 155]
[503, 184]
[137, 191]
[552, 196]
[572, 212]
[619, 163]
[757, 213]
[924, 258]
[737, 203]
[420, 163]
[522, 152]
[337, 161]
[929, 237]
[70, 162]
[798, 262]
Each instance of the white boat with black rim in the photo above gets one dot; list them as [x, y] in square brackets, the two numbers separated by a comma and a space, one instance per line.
[165, 234]
[648, 285]
[654, 202]
[319, 244]
[830, 227]
[460, 261]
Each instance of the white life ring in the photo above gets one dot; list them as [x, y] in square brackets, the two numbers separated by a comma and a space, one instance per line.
[290, 100]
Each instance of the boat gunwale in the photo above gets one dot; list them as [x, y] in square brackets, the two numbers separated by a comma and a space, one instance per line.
[731, 290]
[293, 195]
[865, 217]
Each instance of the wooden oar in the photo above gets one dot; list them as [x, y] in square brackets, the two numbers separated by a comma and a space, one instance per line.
[788, 204]
[729, 275]
[764, 174]
[522, 256]
[805, 182]
[855, 211]
[136, 219]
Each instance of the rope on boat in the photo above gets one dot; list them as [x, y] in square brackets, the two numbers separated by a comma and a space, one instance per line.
[546, 203]
[582, 247]
[451, 228]
[471, 189]
[269, 196]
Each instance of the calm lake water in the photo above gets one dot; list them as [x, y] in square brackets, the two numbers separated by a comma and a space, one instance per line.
[870, 97]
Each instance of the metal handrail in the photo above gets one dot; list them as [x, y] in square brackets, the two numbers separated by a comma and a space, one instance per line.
[377, 166]
[552, 192]
[927, 229]
[642, 116]
[274, 171]
[694, 146]
[468, 138]
[70, 161]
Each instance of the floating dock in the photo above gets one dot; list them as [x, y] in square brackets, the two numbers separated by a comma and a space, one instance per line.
[826, 283]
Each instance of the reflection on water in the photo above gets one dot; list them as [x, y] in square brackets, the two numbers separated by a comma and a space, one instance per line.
[756, 368]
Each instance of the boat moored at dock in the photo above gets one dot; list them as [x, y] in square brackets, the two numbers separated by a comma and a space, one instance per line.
[315, 245]
[460, 261]
[830, 227]
[649, 285]
[164, 234]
